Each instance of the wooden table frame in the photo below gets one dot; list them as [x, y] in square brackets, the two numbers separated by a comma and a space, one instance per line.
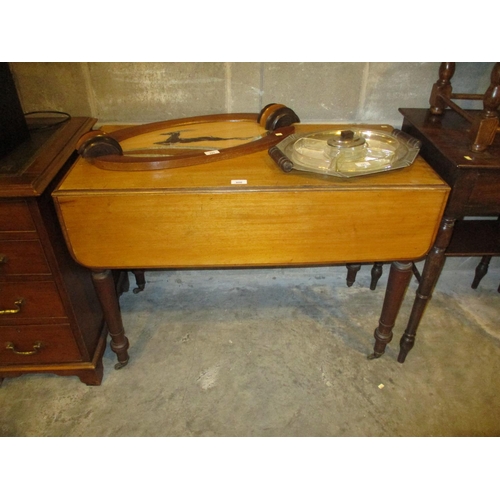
[399, 278]
[197, 218]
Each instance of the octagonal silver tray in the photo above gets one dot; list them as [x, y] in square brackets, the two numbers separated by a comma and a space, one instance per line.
[346, 152]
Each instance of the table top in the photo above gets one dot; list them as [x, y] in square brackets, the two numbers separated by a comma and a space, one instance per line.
[29, 168]
[449, 134]
[257, 169]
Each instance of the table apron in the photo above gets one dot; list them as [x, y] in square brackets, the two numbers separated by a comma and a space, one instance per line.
[192, 229]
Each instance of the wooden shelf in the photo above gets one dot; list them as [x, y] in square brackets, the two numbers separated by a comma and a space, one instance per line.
[475, 237]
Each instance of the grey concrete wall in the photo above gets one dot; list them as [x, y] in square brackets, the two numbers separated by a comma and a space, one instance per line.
[318, 92]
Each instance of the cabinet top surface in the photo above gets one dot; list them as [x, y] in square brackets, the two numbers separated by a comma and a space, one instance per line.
[28, 169]
[255, 171]
[449, 133]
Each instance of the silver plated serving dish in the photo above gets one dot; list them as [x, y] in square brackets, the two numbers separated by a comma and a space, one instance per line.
[347, 152]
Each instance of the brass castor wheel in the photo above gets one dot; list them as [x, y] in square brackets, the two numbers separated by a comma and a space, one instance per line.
[274, 116]
[95, 144]
[121, 364]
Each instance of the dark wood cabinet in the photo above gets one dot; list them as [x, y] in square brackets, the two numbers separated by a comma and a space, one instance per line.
[473, 176]
[50, 318]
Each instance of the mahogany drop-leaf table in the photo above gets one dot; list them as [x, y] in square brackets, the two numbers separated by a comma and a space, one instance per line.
[244, 211]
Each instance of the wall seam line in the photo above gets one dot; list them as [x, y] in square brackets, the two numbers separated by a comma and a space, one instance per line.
[89, 90]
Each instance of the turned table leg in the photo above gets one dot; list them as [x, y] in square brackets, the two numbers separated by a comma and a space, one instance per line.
[432, 269]
[140, 280]
[376, 273]
[481, 271]
[399, 278]
[484, 128]
[105, 287]
[352, 271]
[442, 88]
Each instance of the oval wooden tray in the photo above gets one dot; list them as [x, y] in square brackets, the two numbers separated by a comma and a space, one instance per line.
[188, 141]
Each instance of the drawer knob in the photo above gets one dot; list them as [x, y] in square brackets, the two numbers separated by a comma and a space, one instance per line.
[3, 258]
[36, 347]
[18, 304]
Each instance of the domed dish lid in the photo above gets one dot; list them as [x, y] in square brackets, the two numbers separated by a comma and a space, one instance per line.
[345, 139]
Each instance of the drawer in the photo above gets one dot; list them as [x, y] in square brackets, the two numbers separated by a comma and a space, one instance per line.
[37, 344]
[35, 300]
[486, 192]
[15, 216]
[21, 257]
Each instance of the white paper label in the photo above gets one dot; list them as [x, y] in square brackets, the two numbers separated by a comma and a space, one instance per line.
[239, 181]
[214, 152]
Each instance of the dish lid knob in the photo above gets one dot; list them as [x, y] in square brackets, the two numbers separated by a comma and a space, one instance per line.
[345, 139]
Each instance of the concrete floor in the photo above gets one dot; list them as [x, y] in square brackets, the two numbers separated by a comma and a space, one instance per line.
[279, 352]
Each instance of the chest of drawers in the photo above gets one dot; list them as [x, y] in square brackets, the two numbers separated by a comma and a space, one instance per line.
[50, 318]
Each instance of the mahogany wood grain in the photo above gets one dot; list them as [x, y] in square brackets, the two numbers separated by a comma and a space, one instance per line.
[432, 268]
[57, 344]
[15, 216]
[106, 291]
[399, 278]
[41, 300]
[22, 257]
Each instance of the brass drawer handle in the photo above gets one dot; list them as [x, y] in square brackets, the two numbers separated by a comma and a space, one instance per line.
[3, 258]
[36, 347]
[18, 304]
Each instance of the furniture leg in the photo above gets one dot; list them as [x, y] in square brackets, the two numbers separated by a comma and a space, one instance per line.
[376, 274]
[140, 280]
[105, 287]
[399, 278]
[442, 87]
[485, 127]
[481, 271]
[92, 377]
[352, 271]
[432, 269]
[122, 283]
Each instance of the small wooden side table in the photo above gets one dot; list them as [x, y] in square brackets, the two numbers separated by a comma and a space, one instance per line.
[474, 177]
